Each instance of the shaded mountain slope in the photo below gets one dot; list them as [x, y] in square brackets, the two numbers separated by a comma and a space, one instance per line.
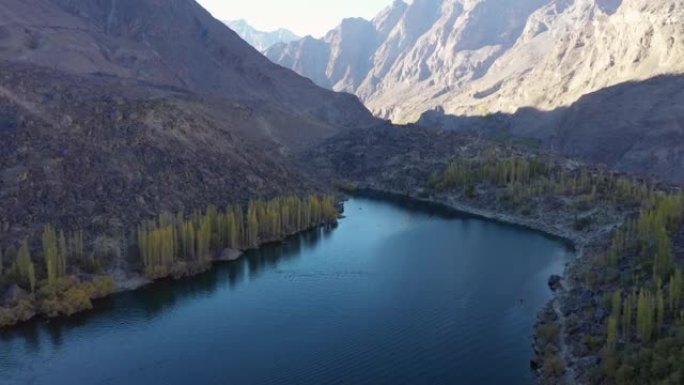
[80, 156]
[173, 43]
[115, 110]
[616, 126]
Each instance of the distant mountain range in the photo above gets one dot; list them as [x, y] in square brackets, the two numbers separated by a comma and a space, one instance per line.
[524, 67]
[261, 40]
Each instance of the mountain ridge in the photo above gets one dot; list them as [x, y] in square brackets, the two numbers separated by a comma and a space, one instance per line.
[478, 58]
[261, 40]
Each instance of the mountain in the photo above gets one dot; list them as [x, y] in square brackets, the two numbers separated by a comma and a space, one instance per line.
[261, 40]
[416, 47]
[115, 110]
[494, 58]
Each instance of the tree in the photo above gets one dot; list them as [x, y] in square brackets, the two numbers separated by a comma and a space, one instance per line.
[645, 315]
[252, 225]
[616, 303]
[25, 267]
[76, 245]
[63, 250]
[55, 261]
[204, 238]
[660, 310]
[676, 288]
[612, 334]
[627, 314]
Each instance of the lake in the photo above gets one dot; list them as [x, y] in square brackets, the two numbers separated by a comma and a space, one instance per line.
[398, 293]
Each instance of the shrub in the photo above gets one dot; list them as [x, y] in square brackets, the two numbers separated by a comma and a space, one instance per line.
[553, 366]
[549, 333]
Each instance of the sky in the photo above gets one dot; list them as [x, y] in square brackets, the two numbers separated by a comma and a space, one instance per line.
[303, 17]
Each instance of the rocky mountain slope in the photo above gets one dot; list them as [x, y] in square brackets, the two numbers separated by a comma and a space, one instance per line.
[174, 44]
[525, 68]
[261, 40]
[115, 110]
[474, 56]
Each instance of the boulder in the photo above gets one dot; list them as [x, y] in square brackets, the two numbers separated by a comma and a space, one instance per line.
[13, 295]
[230, 255]
[536, 363]
[555, 282]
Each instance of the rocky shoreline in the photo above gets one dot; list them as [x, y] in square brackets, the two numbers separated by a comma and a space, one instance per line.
[583, 244]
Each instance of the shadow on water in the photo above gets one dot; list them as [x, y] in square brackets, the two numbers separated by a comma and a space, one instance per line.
[164, 295]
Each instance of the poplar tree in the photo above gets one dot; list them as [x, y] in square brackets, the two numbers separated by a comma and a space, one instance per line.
[252, 225]
[660, 311]
[25, 267]
[627, 314]
[63, 251]
[676, 287]
[645, 316]
[612, 333]
[55, 263]
[616, 303]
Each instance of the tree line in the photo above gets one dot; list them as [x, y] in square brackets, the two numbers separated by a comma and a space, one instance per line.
[175, 244]
[646, 327]
[169, 245]
[521, 178]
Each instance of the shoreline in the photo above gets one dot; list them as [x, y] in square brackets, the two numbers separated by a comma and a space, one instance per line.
[578, 242]
[130, 281]
[570, 237]
[127, 281]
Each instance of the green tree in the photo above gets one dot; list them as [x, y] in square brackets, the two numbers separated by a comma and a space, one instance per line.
[627, 314]
[660, 310]
[612, 334]
[675, 289]
[616, 302]
[25, 267]
[252, 225]
[645, 315]
[55, 261]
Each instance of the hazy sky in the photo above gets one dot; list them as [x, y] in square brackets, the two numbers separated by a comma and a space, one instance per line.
[304, 17]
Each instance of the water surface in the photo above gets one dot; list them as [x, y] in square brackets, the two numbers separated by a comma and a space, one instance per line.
[394, 295]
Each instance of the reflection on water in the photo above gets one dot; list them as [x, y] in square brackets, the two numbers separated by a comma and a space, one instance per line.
[398, 293]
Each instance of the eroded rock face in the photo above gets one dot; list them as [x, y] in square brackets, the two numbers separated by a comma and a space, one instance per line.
[484, 56]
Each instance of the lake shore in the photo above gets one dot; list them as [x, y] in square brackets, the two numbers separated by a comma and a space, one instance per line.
[120, 278]
[559, 226]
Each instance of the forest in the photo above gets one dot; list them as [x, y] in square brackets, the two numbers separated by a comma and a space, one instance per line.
[60, 273]
[637, 327]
